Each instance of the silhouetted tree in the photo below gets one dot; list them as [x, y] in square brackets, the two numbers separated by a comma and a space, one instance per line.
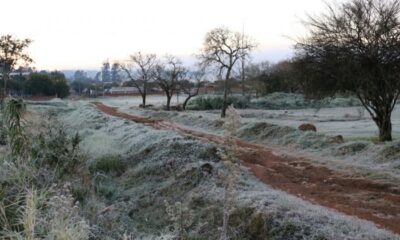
[268, 78]
[12, 53]
[255, 73]
[115, 76]
[355, 47]
[79, 86]
[105, 72]
[81, 81]
[223, 49]
[47, 84]
[40, 84]
[60, 85]
[141, 69]
[169, 75]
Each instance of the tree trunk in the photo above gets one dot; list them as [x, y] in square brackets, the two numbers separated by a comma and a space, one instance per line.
[144, 94]
[144, 100]
[224, 102]
[185, 102]
[384, 123]
[168, 102]
[5, 79]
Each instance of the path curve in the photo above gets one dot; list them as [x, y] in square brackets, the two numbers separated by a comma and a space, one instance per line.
[370, 200]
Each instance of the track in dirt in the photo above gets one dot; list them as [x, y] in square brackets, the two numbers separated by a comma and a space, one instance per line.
[366, 199]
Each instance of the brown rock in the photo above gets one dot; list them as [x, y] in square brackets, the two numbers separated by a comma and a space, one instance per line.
[337, 139]
[307, 127]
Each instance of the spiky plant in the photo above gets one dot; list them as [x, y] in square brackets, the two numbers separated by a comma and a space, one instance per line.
[13, 111]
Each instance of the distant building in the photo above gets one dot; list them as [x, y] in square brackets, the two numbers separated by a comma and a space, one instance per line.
[19, 73]
[208, 88]
[118, 91]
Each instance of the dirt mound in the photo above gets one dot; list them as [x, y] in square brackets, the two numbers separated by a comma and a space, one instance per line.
[307, 127]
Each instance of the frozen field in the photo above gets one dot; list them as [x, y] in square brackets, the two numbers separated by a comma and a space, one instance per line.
[351, 122]
[278, 128]
[135, 101]
[159, 167]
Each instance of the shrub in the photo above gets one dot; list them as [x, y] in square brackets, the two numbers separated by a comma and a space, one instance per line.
[108, 164]
[215, 102]
[56, 149]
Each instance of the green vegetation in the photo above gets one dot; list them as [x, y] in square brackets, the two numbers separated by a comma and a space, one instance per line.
[216, 102]
[277, 100]
[12, 55]
[108, 164]
[13, 113]
[29, 193]
[46, 84]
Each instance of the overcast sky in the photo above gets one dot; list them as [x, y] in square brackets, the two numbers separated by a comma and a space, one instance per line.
[81, 34]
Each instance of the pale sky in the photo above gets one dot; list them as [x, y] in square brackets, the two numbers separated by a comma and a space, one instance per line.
[81, 34]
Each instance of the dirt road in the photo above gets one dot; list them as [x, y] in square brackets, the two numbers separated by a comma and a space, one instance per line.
[366, 199]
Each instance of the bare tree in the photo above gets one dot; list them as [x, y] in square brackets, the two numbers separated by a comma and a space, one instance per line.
[169, 75]
[12, 53]
[191, 86]
[355, 47]
[223, 48]
[141, 69]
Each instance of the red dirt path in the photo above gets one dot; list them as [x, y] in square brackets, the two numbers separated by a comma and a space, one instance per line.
[366, 199]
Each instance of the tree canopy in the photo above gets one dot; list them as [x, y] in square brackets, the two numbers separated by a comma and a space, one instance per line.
[223, 49]
[355, 47]
[12, 54]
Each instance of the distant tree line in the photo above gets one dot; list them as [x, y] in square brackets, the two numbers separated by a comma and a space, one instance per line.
[17, 79]
[38, 84]
[106, 78]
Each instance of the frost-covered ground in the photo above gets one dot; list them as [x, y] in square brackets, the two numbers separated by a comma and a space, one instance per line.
[163, 166]
[278, 128]
[156, 100]
[351, 122]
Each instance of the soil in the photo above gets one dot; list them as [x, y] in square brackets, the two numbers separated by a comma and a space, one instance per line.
[370, 200]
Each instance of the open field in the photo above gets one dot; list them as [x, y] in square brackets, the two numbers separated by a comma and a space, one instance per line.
[207, 120]
[351, 122]
[279, 195]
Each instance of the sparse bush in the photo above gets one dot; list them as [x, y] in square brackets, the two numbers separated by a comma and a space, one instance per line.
[108, 164]
[247, 223]
[29, 209]
[272, 101]
[351, 148]
[208, 153]
[105, 187]
[216, 102]
[54, 148]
